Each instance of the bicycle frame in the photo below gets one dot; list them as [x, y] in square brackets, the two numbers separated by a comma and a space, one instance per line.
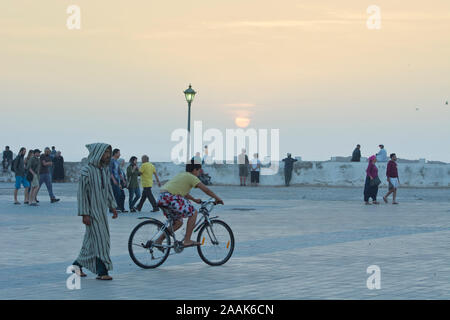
[168, 225]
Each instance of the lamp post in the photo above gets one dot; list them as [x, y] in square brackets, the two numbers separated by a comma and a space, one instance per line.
[189, 93]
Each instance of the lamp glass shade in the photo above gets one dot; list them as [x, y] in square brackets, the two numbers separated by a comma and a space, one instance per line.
[189, 94]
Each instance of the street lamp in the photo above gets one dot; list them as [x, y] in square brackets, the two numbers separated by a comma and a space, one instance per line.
[189, 93]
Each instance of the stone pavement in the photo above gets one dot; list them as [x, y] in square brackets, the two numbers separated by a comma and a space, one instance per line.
[291, 243]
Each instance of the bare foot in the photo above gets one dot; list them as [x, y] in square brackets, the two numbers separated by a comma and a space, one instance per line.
[385, 200]
[106, 277]
[376, 202]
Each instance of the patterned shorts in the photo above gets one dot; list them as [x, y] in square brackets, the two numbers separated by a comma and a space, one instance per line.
[177, 204]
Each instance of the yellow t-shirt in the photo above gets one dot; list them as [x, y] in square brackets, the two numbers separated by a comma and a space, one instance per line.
[181, 184]
[147, 170]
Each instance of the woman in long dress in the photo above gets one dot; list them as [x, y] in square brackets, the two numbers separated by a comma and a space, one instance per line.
[58, 168]
[370, 189]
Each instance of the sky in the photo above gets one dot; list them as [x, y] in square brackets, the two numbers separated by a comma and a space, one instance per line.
[312, 69]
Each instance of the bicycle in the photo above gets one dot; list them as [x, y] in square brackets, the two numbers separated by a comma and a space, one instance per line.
[215, 236]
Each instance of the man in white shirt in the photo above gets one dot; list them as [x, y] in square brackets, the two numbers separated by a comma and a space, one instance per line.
[255, 169]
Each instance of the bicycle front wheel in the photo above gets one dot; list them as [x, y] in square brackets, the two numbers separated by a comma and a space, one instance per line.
[144, 250]
[217, 241]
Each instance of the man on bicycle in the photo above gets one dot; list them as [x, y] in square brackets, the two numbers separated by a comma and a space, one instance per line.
[175, 196]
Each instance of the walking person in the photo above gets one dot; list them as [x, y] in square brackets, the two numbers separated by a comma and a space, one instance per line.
[243, 167]
[133, 184]
[288, 168]
[33, 168]
[147, 171]
[123, 186]
[356, 156]
[392, 178]
[58, 168]
[7, 159]
[372, 182]
[255, 169]
[95, 197]
[44, 174]
[116, 178]
[18, 166]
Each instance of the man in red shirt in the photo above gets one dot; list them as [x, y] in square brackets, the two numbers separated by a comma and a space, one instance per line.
[392, 178]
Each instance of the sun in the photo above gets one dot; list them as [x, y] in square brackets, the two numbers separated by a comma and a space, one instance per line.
[242, 122]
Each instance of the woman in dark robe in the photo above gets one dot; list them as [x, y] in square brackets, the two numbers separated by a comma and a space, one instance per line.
[58, 168]
[371, 189]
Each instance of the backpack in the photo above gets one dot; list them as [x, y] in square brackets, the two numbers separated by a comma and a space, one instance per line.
[14, 164]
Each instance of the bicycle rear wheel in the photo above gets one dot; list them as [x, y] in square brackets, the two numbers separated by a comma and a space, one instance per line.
[142, 247]
[217, 241]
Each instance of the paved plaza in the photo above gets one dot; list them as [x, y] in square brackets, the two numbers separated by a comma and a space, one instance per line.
[291, 243]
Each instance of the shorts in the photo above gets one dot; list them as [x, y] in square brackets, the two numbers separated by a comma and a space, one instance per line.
[243, 170]
[254, 176]
[22, 181]
[35, 181]
[393, 183]
[177, 204]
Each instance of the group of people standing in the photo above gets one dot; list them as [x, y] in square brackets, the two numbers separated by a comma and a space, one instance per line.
[32, 171]
[255, 168]
[244, 165]
[122, 179]
[373, 181]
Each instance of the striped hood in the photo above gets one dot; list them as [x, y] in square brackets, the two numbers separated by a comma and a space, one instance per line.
[96, 151]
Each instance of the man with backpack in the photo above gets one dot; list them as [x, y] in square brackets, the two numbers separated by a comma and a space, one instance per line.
[18, 167]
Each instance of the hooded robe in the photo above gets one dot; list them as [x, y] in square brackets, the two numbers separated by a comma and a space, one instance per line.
[95, 197]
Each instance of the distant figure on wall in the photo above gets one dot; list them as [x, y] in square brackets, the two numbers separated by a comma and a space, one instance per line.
[7, 159]
[382, 154]
[356, 156]
[288, 167]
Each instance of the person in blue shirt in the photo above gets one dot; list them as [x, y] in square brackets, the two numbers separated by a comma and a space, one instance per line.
[382, 154]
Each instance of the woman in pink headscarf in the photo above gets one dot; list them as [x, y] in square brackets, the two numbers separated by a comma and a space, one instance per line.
[371, 185]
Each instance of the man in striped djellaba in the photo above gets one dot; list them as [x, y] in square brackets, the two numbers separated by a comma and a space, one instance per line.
[95, 199]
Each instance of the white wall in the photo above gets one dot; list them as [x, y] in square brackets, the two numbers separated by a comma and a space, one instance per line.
[327, 173]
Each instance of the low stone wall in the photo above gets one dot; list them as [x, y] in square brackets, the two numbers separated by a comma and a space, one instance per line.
[327, 173]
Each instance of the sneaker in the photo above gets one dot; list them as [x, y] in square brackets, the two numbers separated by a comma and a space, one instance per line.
[54, 200]
[133, 210]
[155, 210]
[124, 211]
[34, 204]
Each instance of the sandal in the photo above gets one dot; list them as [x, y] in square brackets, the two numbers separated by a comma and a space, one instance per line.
[105, 277]
[80, 273]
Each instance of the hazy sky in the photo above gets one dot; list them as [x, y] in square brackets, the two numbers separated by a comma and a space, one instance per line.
[312, 69]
